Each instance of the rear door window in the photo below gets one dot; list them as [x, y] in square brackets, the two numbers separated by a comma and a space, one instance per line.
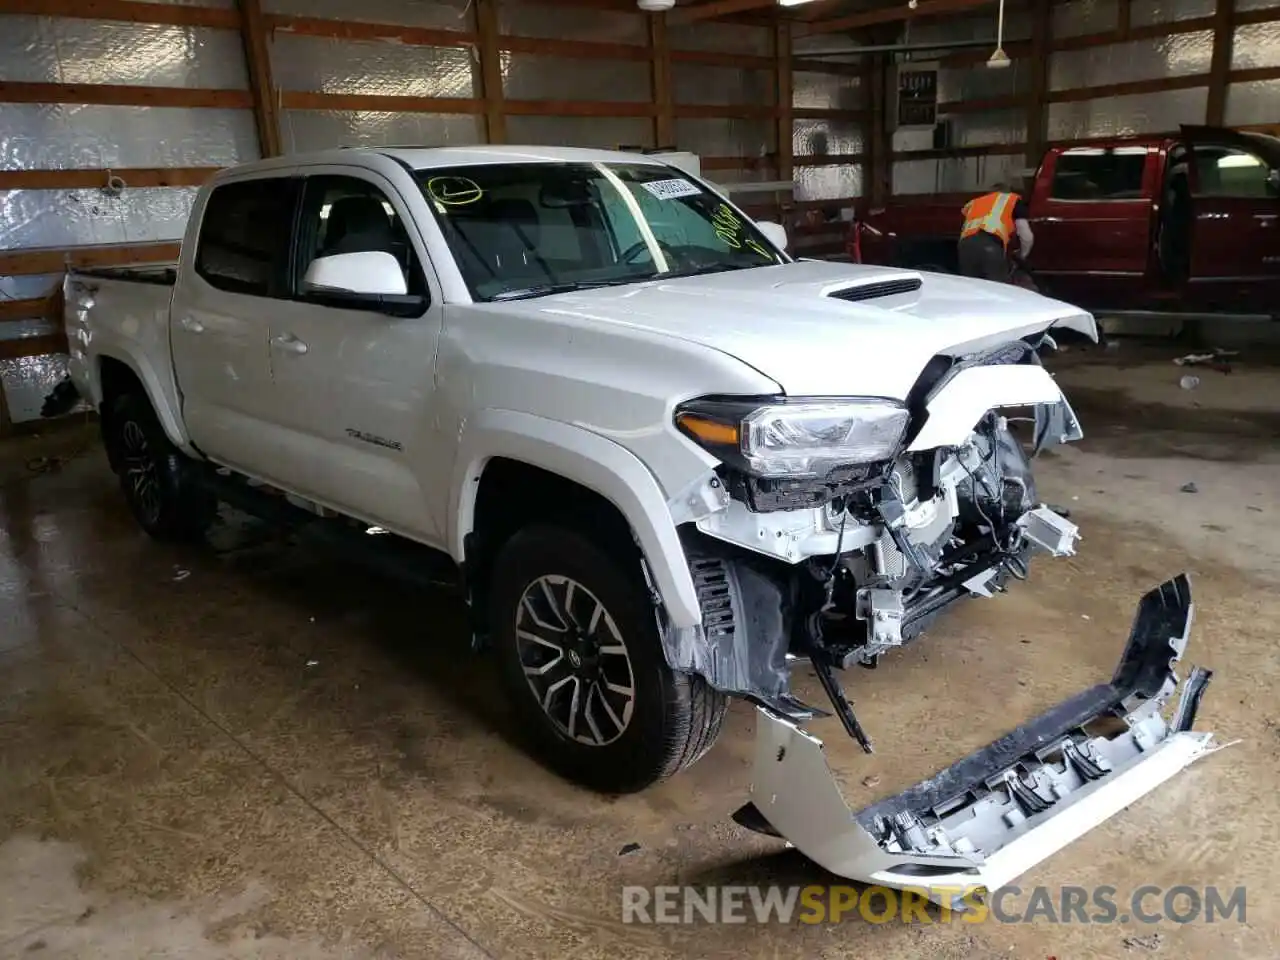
[243, 245]
[1088, 173]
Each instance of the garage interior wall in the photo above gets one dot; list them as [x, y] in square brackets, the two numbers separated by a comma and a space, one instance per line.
[113, 113]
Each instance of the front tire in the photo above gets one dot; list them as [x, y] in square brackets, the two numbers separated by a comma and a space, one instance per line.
[155, 477]
[582, 661]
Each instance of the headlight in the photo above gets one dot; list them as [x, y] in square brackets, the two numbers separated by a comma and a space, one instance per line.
[795, 438]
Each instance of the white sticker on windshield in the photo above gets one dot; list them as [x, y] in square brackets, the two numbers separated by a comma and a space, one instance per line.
[672, 189]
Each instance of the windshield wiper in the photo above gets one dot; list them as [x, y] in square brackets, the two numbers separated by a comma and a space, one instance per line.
[699, 271]
[568, 286]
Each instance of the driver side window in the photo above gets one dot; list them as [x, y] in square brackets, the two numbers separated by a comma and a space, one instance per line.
[1224, 171]
[348, 215]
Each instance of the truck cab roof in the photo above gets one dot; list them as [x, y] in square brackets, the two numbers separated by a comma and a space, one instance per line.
[426, 158]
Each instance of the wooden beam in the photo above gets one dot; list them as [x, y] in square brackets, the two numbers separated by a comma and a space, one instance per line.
[953, 153]
[664, 123]
[257, 56]
[1265, 15]
[56, 260]
[827, 159]
[1153, 85]
[805, 65]
[577, 49]
[899, 11]
[716, 8]
[495, 113]
[128, 11]
[716, 58]
[823, 113]
[1220, 65]
[119, 94]
[36, 308]
[1124, 17]
[580, 108]
[361, 30]
[90, 179]
[1037, 111]
[33, 346]
[785, 100]
[878, 173]
[380, 103]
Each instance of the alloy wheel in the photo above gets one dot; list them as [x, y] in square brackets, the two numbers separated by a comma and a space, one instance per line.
[575, 660]
[140, 472]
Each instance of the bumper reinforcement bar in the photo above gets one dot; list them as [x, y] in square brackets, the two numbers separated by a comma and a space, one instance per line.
[996, 813]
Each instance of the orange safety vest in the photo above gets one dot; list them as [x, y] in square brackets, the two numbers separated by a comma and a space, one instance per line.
[991, 213]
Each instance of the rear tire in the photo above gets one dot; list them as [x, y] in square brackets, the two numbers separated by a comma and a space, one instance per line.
[156, 478]
[580, 655]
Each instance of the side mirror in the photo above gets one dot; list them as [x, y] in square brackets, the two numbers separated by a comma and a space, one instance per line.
[374, 273]
[775, 233]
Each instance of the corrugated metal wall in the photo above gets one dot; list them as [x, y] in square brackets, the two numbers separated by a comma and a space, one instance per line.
[54, 136]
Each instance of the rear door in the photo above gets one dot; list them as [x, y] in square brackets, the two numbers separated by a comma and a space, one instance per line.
[1235, 236]
[1092, 215]
[353, 385]
[219, 326]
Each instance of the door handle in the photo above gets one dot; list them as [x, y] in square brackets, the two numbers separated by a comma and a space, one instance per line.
[290, 343]
[192, 325]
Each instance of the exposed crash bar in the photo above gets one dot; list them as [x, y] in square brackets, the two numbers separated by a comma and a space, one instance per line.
[996, 813]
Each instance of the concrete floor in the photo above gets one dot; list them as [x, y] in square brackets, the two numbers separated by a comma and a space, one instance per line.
[248, 751]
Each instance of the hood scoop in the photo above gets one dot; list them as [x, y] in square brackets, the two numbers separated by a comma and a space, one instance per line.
[878, 288]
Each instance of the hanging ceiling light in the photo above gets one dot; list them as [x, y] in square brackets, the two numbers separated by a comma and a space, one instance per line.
[999, 59]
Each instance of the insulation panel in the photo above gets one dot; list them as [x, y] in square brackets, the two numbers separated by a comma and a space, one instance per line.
[572, 23]
[26, 381]
[606, 132]
[66, 50]
[319, 129]
[436, 14]
[535, 77]
[1146, 12]
[820, 137]
[721, 37]
[1123, 116]
[29, 287]
[1085, 16]
[1174, 56]
[826, 91]
[956, 175]
[1257, 45]
[1257, 101]
[980, 83]
[833, 182]
[300, 62]
[65, 218]
[702, 83]
[41, 136]
[726, 137]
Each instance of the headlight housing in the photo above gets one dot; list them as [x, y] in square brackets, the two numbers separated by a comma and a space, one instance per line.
[801, 437]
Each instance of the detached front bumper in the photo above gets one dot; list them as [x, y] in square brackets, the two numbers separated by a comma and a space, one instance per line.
[996, 813]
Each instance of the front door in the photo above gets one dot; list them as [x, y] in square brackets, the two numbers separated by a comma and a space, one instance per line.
[354, 386]
[1235, 234]
[218, 325]
[1092, 219]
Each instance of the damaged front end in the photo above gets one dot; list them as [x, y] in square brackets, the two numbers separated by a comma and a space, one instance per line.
[999, 811]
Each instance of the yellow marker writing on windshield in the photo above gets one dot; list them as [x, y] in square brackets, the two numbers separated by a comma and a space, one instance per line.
[454, 191]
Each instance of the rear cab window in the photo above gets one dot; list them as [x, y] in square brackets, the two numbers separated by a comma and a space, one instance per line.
[243, 246]
[1099, 173]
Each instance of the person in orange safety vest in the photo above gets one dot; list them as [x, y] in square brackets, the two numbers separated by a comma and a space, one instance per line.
[990, 221]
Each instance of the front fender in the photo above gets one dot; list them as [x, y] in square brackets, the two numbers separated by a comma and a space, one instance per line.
[594, 462]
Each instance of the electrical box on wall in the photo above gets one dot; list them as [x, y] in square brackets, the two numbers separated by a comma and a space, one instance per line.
[915, 96]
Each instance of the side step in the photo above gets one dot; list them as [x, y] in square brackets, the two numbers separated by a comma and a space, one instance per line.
[387, 553]
[993, 815]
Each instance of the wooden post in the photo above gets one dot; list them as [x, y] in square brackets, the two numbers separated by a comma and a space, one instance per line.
[257, 55]
[495, 118]
[664, 124]
[782, 54]
[878, 179]
[1038, 93]
[1220, 66]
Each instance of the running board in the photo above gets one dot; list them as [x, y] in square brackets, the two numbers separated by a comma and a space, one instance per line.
[998, 812]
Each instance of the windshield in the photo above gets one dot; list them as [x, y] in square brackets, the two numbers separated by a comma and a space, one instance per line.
[529, 229]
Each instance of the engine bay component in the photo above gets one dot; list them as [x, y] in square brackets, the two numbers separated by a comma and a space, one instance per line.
[1049, 531]
[996, 813]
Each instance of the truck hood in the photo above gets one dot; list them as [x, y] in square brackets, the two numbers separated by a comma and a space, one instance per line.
[785, 322]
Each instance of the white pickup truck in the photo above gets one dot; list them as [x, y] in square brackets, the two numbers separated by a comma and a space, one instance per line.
[664, 460]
